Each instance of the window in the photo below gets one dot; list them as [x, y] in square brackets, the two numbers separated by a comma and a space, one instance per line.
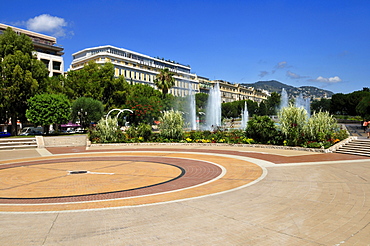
[56, 65]
[46, 62]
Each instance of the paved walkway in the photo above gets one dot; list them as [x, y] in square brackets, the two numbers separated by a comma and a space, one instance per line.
[237, 196]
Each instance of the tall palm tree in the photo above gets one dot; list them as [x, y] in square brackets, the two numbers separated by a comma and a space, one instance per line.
[164, 81]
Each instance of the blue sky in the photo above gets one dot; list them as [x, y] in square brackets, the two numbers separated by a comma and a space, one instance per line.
[319, 43]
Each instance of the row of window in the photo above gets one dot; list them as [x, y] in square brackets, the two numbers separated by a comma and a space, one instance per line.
[148, 77]
[56, 65]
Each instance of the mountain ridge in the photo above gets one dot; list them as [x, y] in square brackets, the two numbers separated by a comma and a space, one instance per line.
[277, 86]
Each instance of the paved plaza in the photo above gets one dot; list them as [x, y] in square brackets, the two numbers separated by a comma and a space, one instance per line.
[183, 195]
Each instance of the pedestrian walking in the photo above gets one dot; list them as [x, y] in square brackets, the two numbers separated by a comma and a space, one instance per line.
[367, 125]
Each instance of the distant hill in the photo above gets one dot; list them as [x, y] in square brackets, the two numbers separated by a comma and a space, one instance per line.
[276, 86]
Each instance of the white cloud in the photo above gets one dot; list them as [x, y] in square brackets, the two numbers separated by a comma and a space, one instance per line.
[263, 74]
[294, 75]
[49, 24]
[334, 79]
[282, 64]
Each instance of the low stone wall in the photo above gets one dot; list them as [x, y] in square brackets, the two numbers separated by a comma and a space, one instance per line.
[222, 144]
[62, 141]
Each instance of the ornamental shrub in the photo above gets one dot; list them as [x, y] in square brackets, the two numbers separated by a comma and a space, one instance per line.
[144, 131]
[171, 125]
[321, 127]
[261, 129]
[107, 131]
[292, 124]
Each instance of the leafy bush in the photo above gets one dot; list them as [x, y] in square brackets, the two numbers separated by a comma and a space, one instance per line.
[107, 131]
[144, 131]
[292, 124]
[340, 135]
[321, 127]
[171, 126]
[262, 129]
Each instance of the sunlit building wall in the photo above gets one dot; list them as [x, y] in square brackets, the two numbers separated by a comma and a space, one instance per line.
[46, 47]
[138, 68]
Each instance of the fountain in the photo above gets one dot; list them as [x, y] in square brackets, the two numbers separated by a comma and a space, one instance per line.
[301, 102]
[245, 116]
[192, 120]
[284, 99]
[213, 113]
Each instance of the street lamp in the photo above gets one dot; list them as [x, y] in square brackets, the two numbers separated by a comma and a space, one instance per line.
[82, 114]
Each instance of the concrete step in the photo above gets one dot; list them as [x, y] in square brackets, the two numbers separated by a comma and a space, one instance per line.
[17, 143]
[356, 147]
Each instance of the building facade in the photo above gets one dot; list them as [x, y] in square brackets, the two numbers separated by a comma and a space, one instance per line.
[138, 68]
[233, 92]
[46, 49]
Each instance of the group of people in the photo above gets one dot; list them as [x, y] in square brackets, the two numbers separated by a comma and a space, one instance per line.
[366, 125]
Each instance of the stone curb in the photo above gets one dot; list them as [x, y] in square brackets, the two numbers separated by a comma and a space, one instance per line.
[223, 144]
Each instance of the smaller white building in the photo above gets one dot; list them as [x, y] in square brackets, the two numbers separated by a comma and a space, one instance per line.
[46, 49]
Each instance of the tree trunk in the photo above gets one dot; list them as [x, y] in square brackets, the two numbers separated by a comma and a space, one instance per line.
[14, 130]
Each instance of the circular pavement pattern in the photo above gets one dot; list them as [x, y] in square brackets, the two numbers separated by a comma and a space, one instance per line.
[101, 180]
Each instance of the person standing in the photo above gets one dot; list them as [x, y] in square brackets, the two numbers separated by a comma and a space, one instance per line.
[364, 125]
[367, 125]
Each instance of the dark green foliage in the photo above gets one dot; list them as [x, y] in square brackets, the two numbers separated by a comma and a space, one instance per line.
[140, 133]
[262, 130]
[201, 100]
[363, 107]
[272, 103]
[346, 104]
[144, 131]
[87, 110]
[234, 109]
[21, 75]
[95, 81]
[164, 81]
[321, 105]
[47, 109]
[146, 103]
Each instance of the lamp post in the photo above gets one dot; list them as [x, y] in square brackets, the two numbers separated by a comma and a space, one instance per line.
[82, 114]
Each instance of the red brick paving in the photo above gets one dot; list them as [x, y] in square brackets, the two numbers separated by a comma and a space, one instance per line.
[195, 172]
[277, 159]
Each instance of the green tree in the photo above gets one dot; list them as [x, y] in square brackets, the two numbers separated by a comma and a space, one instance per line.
[164, 80]
[272, 103]
[87, 110]
[345, 104]
[321, 105]
[363, 108]
[93, 80]
[338, 104]
[252, 107]
[353, 99]
[145, 101]
[201, 100]
[229, 110]
[115, 93]
[48, 109]
[262, 109]
[21, 75]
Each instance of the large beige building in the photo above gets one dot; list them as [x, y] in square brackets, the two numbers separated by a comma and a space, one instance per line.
[46, 49]
[138, 68]
[233, 92]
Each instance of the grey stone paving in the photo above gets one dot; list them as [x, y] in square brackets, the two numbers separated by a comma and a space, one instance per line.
[327, 204]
